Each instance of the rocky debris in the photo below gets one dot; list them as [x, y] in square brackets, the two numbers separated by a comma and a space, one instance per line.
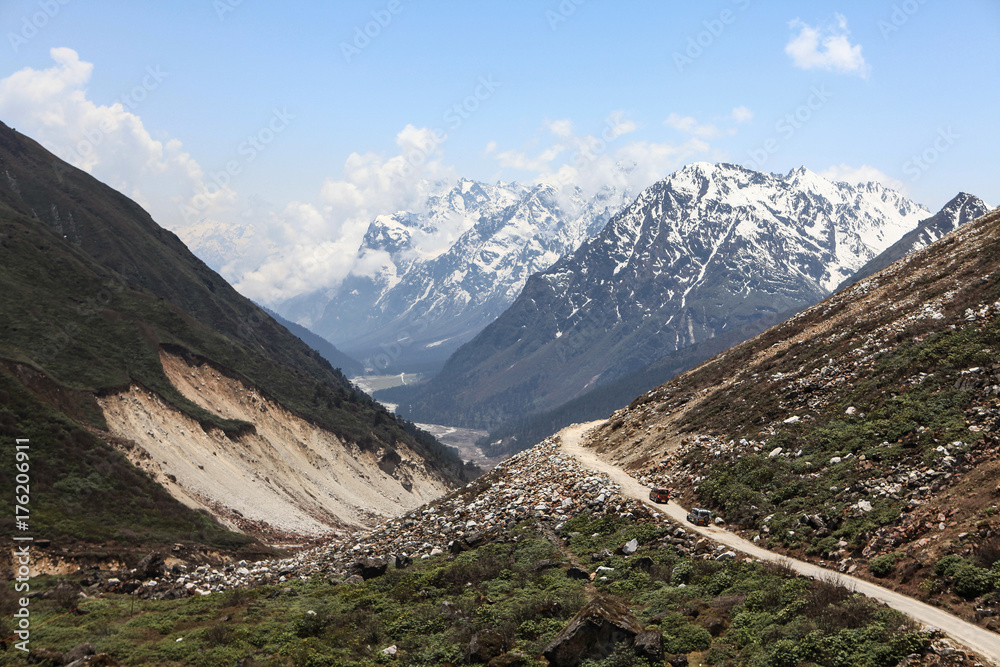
[150, 566]
[542, 484]
[79, 652]
[593, 633]
[83, 655]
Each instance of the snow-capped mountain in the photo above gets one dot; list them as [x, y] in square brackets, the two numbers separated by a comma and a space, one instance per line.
[709, 248]
[416, 304]
[960, 210]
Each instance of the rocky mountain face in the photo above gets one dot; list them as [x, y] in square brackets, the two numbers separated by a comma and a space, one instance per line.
[706, 250]
[960, 210]
[419, 304]
[862, 430]
[94, 295]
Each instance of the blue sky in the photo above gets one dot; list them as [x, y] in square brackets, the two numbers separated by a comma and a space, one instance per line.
[286, 125]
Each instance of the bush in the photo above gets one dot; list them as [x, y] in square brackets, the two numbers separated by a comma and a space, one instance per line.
[947, 565]
[882, 566]
[972, 581]
[686, 638]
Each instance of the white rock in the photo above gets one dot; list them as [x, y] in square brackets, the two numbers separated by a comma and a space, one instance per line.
[774, 452]
[390, 650]
[835, 460]
[794, 419]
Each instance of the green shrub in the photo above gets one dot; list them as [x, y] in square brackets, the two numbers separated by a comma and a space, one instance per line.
[882, 566]
[686, 638]
[972, 581]
[947, 565]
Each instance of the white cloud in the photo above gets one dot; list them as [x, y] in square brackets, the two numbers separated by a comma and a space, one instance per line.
[593, 161]
[865, 173]
[827, 48]
[689, 125]
[319, 242]
[109, 140]
[741, 115]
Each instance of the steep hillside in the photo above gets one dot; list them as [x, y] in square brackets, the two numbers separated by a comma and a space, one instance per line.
[423, 301]
[518, 434]
[960, 210]
[93, 291]
[862, 431]
[708, 249]
[342, 362]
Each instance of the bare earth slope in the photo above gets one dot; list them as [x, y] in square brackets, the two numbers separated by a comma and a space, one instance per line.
[289, 476]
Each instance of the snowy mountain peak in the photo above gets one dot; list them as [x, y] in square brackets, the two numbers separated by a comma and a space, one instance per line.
[710, 249]
[452, 267]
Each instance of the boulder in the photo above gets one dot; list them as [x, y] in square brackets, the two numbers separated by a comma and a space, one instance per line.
[645, 563]
[592, 633]
[630, 547]
[370, 568]
[45, 656]
[485, 646]
[403, 561]
[151, 566]
[577, 573]
[648, 644]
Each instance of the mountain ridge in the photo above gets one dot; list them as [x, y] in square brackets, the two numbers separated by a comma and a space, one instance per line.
[419, 307]
[708, 248]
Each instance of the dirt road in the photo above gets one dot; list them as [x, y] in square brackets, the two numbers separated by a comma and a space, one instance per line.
[972, 636]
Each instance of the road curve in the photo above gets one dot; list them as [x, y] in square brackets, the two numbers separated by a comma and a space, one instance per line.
[977, 639]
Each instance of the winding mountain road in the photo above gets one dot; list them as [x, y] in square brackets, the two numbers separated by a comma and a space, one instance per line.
[979, 640]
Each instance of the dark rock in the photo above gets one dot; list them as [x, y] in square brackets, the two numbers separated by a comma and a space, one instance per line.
[592, 633]
[45, 656]
[403, 562]
[457, 546]
[547, 609]
[577, 573]
[151, 566]
[99, 660]
[603, 554]
[715, 626]
[354, 579]
[677, 660]
[485, 646]
[509, 660]
[645, 563]
[370, 568]
[648, 644]
[80, 651]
